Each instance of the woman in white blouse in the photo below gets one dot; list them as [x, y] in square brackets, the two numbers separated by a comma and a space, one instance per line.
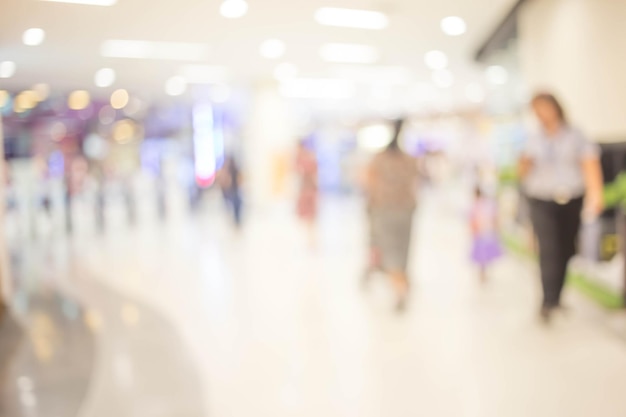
[562, 179]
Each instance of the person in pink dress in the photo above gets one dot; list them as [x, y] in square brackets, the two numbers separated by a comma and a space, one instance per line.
[307, 205]
[486, 244]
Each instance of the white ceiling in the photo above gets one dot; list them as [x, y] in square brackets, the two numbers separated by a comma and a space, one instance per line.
[70, 55]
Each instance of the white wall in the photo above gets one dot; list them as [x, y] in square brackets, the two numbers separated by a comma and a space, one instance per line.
[577, 48]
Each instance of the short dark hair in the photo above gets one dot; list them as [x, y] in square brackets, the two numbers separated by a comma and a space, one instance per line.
[551, 98]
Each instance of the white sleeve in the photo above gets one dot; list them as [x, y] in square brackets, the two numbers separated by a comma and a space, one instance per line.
[586, 148]
[532, 147]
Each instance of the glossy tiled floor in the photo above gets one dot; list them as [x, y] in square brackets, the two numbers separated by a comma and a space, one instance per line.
[190, 318]
[46, 368]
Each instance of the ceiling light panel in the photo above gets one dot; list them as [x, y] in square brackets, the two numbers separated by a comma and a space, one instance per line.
[349, 53]
[119, 99]
[234, 9]
[167, 51]
[351, 18]
[176, 86]
[4, 98]
[272, 49]
[7, 69]
[497, 75]
[436, 60]
[42, 91]
[453, 26]
[104, 77]
[33, 37]
[78, 100]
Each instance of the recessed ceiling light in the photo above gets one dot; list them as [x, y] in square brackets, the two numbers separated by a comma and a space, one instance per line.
[119, 99]
[351, 18]
[58, 131]
[16, 106]
[374, 138]
[317, 88]
[174, 51]
[124, 131]
[497, 75]
[443, 78]
[104, 77]
[475, 93]
[95, 147]
[285, 71]
[107, 115]
[7, 69]
[349, 53]
[134, 108]
[42, 90]
[272, 49]
[453, 26]
[33, 37]
[4, 98]
[86, 2]
[176, 86]
[78, 100]
[436, 60]
[233, 9]
[26, 100]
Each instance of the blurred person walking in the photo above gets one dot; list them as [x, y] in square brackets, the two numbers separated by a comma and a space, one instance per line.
[562, 179]
[306, 168]
[229, 179]
[484, 225]
[392, 194]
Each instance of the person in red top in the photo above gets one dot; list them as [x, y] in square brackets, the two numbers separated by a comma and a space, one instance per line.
[306, 168]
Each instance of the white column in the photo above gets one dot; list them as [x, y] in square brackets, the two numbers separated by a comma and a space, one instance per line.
[576, 49]
[269, 135]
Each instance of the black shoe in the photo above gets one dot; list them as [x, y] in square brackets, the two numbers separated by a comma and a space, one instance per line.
[366, 278]
[369, 275]
[545, 314]
[402, 304]
[3, 311]
[564, 309]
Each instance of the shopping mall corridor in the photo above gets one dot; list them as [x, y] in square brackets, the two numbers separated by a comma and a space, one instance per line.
[190, 318]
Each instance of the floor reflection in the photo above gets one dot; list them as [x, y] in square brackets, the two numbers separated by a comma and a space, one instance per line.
[115, 357]
[144, 369]
[46, 360]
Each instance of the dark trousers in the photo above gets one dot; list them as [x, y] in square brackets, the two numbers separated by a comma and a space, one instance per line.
[233, 199]
[556, 227]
